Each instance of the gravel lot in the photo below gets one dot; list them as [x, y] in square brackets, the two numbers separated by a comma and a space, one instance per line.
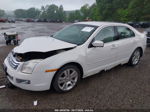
[123, 87]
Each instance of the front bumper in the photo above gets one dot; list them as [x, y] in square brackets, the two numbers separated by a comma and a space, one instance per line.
[39, 81]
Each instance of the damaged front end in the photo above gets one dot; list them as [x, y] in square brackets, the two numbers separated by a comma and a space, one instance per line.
[23, 57]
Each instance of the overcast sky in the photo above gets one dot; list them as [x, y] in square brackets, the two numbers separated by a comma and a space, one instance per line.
[24, 4]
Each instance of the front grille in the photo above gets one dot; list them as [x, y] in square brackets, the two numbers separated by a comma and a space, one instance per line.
[12, 63]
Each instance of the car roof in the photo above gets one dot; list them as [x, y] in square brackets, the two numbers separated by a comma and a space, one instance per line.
[95, 23]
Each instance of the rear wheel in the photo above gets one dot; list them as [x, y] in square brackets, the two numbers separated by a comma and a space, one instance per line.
[66, 78]
[135, 58]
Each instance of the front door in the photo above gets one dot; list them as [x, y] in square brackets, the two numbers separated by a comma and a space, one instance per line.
[98, 58]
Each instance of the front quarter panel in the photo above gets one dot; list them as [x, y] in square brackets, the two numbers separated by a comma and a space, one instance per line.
[57, 61]
[75, 55]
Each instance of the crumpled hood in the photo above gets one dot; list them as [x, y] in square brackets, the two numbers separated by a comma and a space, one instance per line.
[41, 44]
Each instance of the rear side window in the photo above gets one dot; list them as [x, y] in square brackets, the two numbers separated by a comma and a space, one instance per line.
[106, 35]
[124, 32]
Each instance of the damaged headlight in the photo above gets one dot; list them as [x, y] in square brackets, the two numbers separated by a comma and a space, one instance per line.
[29, 66]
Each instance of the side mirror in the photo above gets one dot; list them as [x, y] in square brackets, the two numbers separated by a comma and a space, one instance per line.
[98, 43]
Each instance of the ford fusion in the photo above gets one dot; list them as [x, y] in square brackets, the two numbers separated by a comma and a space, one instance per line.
[77, 51]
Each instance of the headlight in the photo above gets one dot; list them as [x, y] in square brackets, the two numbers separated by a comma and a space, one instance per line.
[29, 66]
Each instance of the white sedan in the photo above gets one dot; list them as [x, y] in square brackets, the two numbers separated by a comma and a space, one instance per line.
[77, 51]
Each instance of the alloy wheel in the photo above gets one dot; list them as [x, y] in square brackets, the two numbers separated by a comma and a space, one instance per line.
[67, 79]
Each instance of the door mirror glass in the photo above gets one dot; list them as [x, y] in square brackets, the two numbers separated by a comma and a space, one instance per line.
[98, 43]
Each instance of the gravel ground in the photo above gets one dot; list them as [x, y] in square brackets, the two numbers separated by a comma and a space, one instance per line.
[122, 87]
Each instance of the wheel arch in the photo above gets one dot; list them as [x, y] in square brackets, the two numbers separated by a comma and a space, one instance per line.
[140, 48]
[75, 64]
[69, 63]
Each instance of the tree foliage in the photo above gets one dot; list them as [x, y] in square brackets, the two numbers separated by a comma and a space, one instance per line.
[102, 10]
[112, 10]
[2, 13]
[139, 10]
[50, 12]
[30, 13]
[115, 10]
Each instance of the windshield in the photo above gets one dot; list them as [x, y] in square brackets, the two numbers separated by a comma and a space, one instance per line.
[75, 34]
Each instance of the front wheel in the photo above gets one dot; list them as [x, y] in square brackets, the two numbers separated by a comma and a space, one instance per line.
[66, 78]
[135, 58]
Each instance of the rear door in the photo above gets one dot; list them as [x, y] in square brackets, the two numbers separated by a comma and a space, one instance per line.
[126, 43]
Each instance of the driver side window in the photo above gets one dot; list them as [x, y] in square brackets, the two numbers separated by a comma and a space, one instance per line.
[106, 34]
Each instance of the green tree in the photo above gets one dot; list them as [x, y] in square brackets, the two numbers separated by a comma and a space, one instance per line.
[77, 15]
[108, 9]
[43, 14]
[122, 15]
[146, 11]
[85, 11]
[103, 10]
[139, 10]
[61, 13]
[2, 13]
[94, 13]
[32, 13]
[52, 12]
[20, 13]
[71, 17]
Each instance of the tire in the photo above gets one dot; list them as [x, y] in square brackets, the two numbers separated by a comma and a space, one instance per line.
[15, 42]
[10, 85]
[63, 82]
[6, 42]
[135, 57]
[9, 42]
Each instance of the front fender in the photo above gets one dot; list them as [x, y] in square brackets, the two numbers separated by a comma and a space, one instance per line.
[76, 55]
